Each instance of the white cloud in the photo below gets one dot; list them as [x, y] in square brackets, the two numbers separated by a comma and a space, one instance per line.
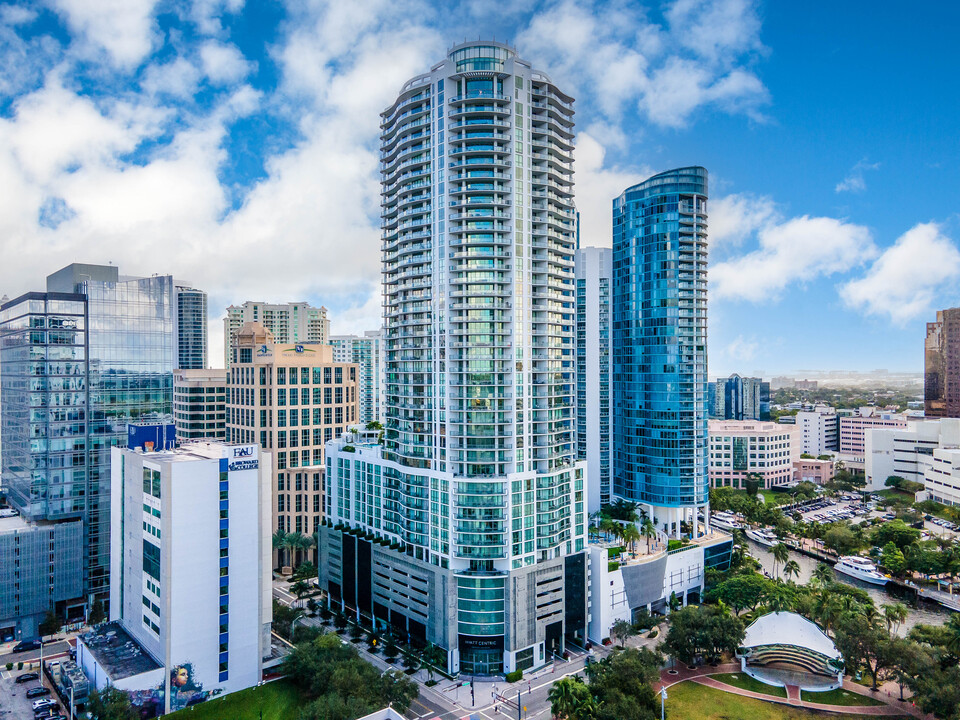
[798, 250]
[733, 218]
[903, 282]
[124, 28]
[223, 63]
[179, 78]
[854, 181]
[596, 188]
[614, 54]
[16, 15]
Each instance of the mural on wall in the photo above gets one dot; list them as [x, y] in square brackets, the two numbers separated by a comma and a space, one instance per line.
[184, 688]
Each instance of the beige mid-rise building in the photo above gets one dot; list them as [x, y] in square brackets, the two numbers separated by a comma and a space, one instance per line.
[291, 398]
[740, 449]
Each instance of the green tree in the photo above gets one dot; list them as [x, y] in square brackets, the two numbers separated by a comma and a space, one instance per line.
[781, 553]
[791, 569]
[894, 615]
[648, 530]
[895, 531]
[841, 539]
[97, 614]
[621, 685]
[894, 481]
[865, 645]
[702, 630]
[110, 704]
[741, 592]
[823, 574]
[50, 625]
[779, 597]
[621, 631]
[300, 588]
[892, 559]
[630, 536]
[568, 698]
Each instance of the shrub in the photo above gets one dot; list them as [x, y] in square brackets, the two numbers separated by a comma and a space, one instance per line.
[514, 676]
[9, 666]
[20, 665]
[612, 565]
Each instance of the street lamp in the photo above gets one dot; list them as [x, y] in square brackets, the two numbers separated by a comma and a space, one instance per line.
[293, 625]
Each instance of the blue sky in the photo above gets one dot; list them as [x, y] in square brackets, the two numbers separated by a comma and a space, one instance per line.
[234, 144]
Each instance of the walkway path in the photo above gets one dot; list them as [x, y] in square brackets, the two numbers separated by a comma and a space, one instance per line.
[702, 677]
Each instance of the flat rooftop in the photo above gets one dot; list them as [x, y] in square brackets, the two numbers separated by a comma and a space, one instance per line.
[117, 652]
[14, 522]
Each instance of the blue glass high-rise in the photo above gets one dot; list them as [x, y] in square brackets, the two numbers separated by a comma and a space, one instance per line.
[79, 362]
[660, 346]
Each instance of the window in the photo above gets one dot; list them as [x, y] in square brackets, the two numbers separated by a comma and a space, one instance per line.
[281, 376]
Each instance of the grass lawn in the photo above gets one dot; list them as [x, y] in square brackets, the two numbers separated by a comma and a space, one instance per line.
[839, 697]
[280, 701]
[690, 701]
[745, 682]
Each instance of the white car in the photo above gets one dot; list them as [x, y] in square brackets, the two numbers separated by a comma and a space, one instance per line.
[45, 702]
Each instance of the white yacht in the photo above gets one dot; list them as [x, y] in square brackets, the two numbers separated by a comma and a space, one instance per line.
[725, 520]
[861, 569]
[767, 538]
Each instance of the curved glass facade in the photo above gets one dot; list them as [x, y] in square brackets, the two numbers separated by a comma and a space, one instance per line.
[660, 340]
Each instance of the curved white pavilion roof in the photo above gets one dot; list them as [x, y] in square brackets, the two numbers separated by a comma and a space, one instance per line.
[787, 628]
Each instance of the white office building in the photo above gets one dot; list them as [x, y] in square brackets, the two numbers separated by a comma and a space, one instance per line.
[819, 430]
[367, 352]
[190, 572]
[296, 322]
[909, 452]
[467, 527]
[594, 364]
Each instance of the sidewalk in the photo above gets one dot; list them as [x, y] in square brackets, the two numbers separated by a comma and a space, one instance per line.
[702, 675]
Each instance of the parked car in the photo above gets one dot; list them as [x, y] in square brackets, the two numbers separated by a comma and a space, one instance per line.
[37, 692]
[25, 645]
[27, 677]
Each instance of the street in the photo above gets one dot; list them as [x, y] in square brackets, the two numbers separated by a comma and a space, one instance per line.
[448, 700]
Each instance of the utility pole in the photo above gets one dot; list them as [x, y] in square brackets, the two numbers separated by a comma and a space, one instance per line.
[519, 706]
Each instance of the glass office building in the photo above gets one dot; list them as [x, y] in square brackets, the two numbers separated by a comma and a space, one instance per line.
[78, 363]
[660, 346]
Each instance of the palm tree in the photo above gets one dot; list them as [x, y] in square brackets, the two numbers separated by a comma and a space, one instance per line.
[894, 615]
[280, 544]
[778, 597]
[300, 588]
[631, 535]
[648, 530]
[608, 527]
[781, 553]
[791, 569]
[568, 697]
[296, 541]
[823, 574]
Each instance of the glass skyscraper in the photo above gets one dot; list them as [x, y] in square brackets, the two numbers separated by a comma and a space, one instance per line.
[78, 363]
[191, 328]
[660, 346]
[475, 496]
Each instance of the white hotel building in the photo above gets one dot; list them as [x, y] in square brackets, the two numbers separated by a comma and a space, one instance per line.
[190, 569]
[467, 527]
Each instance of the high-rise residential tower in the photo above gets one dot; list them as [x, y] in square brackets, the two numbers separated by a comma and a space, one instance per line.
[296, 322]
[80, 361]
[941, 385]
[660, 346]
[466, 528]
[594, 364]
[191, 328]
[367, 352]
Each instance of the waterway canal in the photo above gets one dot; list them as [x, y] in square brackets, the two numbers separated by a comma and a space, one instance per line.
[926, 613]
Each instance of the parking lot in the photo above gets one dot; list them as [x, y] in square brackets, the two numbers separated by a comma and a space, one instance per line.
[16, 705]
[827, 510]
